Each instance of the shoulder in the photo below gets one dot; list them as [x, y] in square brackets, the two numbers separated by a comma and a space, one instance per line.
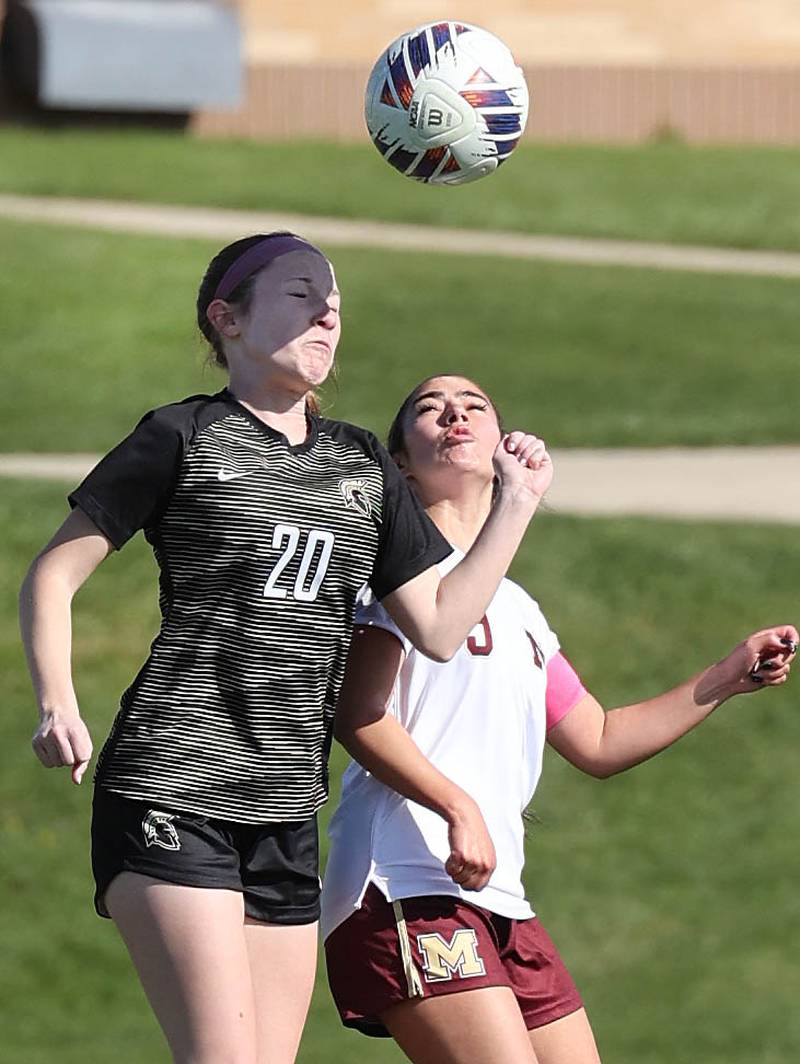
[178, 424]
[545, 641]
[522, 599]
[189, 414]
[354, 436]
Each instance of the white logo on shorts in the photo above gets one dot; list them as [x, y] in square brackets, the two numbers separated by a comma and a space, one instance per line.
[159, 830]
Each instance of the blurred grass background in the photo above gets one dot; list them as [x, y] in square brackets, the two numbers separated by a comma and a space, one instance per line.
[100, 327]
[737, 196]
[671, 891]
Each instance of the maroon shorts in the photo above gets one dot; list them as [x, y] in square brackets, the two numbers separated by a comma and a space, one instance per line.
[427, 946]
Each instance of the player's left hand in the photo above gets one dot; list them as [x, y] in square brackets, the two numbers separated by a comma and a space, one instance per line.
[769, 654]
[764, 659]
[472, 855]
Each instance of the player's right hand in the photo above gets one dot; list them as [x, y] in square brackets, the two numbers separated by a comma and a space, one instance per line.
[522, 463]
[472, 855]
[63, 739]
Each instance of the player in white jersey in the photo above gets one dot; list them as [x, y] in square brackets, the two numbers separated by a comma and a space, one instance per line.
[266, 520]
[407, 929]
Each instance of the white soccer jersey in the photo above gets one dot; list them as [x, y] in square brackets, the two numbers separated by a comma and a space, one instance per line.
[481, 719]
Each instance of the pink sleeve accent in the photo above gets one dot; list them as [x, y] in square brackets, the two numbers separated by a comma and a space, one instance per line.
[564, 689]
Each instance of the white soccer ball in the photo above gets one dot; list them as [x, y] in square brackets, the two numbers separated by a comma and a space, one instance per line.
[446, 103]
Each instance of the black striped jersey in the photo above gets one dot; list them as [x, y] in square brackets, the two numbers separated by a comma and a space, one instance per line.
[263, 549]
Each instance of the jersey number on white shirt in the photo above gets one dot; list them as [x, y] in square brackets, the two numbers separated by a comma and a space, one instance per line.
[479, 641]
[538, 654]
[287, 538]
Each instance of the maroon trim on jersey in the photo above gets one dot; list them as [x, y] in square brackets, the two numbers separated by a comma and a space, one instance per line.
[538, 656]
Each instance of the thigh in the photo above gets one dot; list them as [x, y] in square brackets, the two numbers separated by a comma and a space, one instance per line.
[566, 1041]
[541, 982]
[481, 1026]
[188, 945]
[427, 971]
[189, 849]
[279, 869]
[283, 962]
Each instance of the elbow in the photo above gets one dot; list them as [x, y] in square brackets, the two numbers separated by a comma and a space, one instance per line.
[43, 579]
[441, 657]
[24, 589]
[604, 770]
[341, 732]
[28, 585]
[596, 767]
[347, 738]
[600, 771]
[351, 726]
[436, 648]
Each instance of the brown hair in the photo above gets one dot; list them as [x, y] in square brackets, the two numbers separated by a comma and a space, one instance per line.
[241, 296]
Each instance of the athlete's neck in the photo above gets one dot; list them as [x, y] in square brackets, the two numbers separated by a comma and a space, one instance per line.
[460, 517]
[281, 410]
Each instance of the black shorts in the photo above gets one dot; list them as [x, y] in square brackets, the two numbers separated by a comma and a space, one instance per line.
[275, 866]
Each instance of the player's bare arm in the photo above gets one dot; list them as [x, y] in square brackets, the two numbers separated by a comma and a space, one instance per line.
[603, 744]
[438, 614]
[378, 741]
[74, 552]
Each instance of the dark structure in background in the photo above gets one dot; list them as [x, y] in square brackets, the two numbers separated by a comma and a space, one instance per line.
[120, 57]
[182, 64]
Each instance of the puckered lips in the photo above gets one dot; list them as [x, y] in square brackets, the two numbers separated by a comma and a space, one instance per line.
[457, 434]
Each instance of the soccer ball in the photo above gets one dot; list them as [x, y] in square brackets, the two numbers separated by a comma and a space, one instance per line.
[446, 103]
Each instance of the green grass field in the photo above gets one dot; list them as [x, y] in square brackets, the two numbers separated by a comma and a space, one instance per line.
[744, 197]
[671, 891]
[99, 328]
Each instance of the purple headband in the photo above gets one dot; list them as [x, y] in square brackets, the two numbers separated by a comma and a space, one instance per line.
[260, 254]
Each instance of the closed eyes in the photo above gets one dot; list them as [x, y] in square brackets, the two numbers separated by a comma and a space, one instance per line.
[432, 406]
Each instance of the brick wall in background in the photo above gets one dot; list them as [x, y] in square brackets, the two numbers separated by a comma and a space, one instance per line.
[734, 81]
[570, 103]
[670, 33]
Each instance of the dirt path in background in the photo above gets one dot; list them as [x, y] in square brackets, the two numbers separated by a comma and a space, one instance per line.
[715, 483]
[333, 232]
[740, 484]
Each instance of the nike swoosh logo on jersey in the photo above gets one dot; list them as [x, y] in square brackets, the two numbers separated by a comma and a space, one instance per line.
[227, 474]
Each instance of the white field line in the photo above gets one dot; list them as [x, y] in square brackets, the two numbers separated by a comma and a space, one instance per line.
[226, 225]
[750, 484]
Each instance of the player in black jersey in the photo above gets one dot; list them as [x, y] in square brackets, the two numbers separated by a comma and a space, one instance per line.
[268, 522]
